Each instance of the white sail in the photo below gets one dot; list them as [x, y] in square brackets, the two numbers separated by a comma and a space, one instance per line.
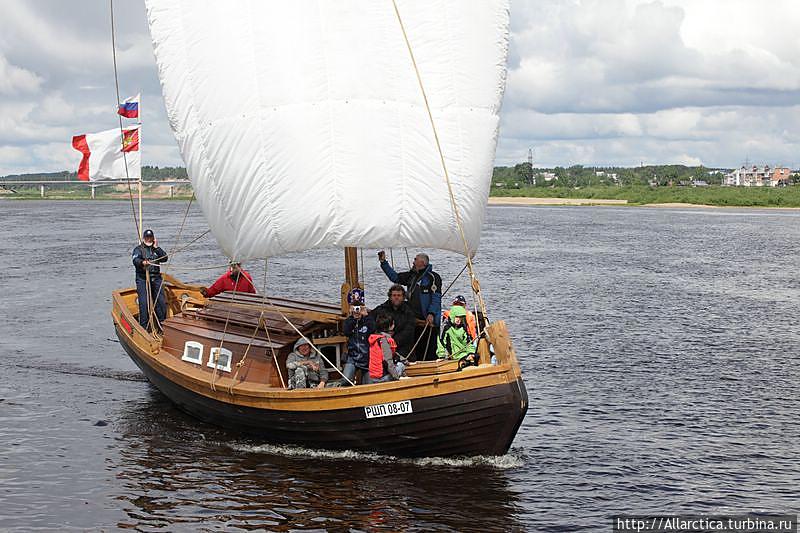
[302, 122]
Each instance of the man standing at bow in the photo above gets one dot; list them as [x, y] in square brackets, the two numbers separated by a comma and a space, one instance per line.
[424, 293]
[146, 258]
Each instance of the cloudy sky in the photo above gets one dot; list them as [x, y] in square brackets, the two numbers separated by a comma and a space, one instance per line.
[593, 82]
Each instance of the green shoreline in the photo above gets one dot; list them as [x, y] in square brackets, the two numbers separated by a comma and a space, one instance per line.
[716, 196]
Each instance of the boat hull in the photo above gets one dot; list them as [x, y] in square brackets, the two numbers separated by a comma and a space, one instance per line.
[474, 421]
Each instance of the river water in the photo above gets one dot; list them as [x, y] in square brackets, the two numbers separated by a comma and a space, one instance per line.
[659, 348]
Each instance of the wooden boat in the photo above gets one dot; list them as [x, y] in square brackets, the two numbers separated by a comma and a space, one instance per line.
[474, 411]
[341, 109]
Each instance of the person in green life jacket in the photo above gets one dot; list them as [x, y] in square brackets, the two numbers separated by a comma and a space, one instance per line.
[455, 342]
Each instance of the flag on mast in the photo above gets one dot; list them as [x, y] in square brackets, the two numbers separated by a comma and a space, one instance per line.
[129, 108]
[106, 154]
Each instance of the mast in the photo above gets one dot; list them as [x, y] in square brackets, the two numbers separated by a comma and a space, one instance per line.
[350, 275]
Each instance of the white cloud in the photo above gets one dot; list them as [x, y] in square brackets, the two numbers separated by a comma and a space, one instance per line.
[590, 82]
[618, 81]
[15, 79]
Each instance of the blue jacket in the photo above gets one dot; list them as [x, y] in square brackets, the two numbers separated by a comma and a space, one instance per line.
[358, 332]
[154, 254]
[424, 290]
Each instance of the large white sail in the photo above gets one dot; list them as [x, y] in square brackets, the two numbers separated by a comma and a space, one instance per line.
[302, 122]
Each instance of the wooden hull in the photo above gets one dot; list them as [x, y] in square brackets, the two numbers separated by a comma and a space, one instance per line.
[476, 411]
[472, 422]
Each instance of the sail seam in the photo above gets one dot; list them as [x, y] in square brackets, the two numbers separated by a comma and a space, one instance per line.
[473, 277]
[270, 208]
[196, 128]
[336, 193]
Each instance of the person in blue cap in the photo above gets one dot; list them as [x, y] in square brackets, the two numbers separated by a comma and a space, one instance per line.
[147, 257]
[358, 326]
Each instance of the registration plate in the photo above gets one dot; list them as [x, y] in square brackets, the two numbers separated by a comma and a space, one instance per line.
[388, 409]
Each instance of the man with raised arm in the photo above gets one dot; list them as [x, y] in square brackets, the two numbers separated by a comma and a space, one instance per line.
[424, 294]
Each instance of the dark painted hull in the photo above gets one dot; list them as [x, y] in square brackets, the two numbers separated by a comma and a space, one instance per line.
[479, 421]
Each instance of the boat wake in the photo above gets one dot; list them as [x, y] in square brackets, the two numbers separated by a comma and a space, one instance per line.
[514, 459]
[92, 371]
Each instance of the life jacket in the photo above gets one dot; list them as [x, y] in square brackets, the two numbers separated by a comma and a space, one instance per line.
[454, 343]
[376, 359]
[472, 324]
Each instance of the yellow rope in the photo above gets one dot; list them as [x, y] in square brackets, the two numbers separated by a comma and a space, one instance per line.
[171, 252]
[136, 221]
[269, 337]
[222, 341]
[246, 351]
[473, 277]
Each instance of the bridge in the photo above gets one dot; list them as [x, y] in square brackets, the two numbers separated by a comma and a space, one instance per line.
[7, 184]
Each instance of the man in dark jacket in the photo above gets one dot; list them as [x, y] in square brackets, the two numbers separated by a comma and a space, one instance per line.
[146, 258]
[404, 318]
[424, 293]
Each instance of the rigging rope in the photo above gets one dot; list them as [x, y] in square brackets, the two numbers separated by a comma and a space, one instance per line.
[361, 274]
[454, 281]
[456, 213]
[136, 221]
[222, 338]
[172, 251]
[269, 338]
[277, 310]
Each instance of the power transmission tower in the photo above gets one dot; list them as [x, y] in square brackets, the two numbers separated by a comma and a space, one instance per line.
[531, 177]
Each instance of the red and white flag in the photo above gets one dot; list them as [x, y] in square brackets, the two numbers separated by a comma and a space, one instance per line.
[106, 154]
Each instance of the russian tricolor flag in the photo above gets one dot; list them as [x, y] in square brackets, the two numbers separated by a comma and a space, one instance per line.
[130, 107]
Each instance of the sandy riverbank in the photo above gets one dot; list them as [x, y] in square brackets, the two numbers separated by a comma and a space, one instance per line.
[526, 201]
[518, 200]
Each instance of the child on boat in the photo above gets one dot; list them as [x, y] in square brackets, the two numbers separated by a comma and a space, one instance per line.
[455, 341]
[305, 366]
[357, 327]
[384, 363]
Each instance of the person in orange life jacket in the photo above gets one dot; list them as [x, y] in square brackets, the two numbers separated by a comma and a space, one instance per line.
[235, 279]
[146, 258]
[425, 298]
[472, 324]
[384, 363]
[357, 327]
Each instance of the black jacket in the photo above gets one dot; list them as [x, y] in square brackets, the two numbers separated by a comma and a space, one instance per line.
[154, 254]
[404, 324]
[424, 290]
[358, 332]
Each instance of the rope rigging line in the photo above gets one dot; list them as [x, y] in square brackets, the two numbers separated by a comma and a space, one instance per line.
[277, 310]
[269, 338]
[422, 334]
[172, 251]
[475, 284]
[222, 338]
[454, 281]
[362, 275]
[186, 246]
[136, 221]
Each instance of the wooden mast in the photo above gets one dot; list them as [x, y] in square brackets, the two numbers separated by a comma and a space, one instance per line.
[350, 275]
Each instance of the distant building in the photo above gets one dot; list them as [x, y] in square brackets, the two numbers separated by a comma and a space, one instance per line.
[548, 176]
[758, 177]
